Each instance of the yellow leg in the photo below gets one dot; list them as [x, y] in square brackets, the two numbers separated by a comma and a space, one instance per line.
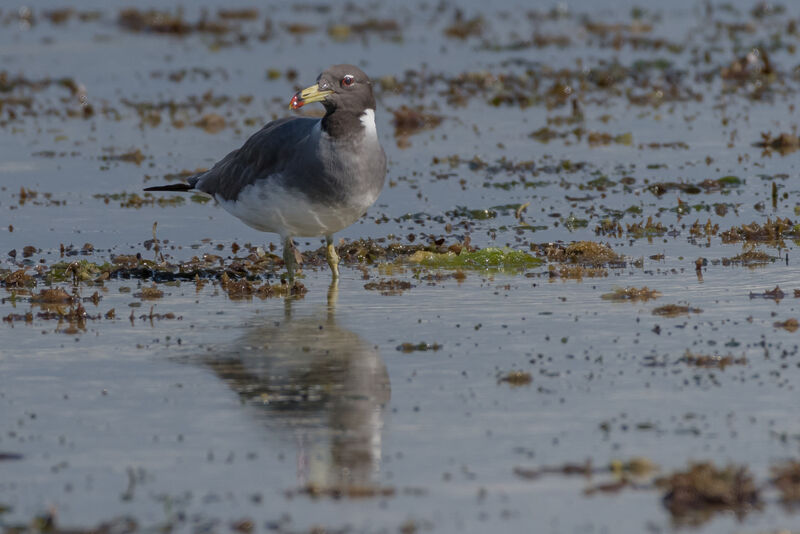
[288, 257]
[332, 257]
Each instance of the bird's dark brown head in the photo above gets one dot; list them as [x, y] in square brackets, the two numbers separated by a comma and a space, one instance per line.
[340, 87]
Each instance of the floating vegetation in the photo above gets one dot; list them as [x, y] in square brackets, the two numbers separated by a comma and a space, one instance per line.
[387, 28]
[749, 257]
[76, 271]
[790, 325]
[408, 121]
[637, 466]
[135, 201]
[706, 186]
[714, 361]
[487, 258]
[256, 266]
[786, 478]
[784, 143]
[134, 156]
[154, 21]
[246, 13]
[675, 310]
[568, 469]
[390, 286]
[631, 294]
[31, 197]
[695, 495]
[149, 293]
[462, 28]
[604, 138]
[211, 122]
[52, 296]
[243, 289]
[576, 272]
[703, 230]
[516, 378]
[586, 253]
[625, 474]
[418, 347]
[17, 279]
[775, 294]
[772, 231]
[344, 491]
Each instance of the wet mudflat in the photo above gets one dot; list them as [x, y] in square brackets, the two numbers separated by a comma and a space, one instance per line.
[574, 307]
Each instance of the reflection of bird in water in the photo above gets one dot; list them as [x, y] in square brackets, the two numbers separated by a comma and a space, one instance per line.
[322, 384]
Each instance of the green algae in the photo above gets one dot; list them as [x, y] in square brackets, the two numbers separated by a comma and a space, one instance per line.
[487, 258]
[81, 271]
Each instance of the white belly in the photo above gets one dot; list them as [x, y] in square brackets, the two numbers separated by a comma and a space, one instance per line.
[265, 208]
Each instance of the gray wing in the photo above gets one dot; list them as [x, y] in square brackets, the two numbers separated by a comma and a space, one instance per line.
[268, 152]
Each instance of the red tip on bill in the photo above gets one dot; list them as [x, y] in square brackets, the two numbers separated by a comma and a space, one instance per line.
[296, 101]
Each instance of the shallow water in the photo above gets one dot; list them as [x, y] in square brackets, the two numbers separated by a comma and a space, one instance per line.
[286, 414]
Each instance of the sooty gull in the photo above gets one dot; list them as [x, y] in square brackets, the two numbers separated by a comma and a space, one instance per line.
[301, 176]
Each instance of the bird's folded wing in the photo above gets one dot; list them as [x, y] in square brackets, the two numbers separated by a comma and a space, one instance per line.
[267, 153]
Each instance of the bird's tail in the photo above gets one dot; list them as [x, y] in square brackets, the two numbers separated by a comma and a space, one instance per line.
[170, 187]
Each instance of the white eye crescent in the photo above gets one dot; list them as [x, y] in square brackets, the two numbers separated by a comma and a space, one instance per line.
[348, 80]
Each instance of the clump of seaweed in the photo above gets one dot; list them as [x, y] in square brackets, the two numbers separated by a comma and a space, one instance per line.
[605, 138]
[636, 230]
[790, 325]
[17, 279]
[648, 229]
[708, 185]
[675, 310]
[752, 66]
[487, 258]
[149, 293]
[568, 469]
[343, 491]
[695, 495]
[243, 289]
[626, 474]
[135, 201]
[784, 143]
[211, 122]
[390, 286]
[749, 258]
[422, 346]
[76, 271]
[52, 296]
[462, 28]
[409, 121]
[516, 378]
[712, 361]
[786, 478]
[369, 251]
[703, 230]
[576, 272]
[631, 294]
[777, 294]
[155, 21]
[133, 156]
[772, 231]
[586, 253]
[385, 27]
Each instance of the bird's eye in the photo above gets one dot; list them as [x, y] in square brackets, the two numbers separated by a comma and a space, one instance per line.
[347, 81]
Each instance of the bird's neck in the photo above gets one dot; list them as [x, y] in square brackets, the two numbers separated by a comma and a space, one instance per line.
[341, 124]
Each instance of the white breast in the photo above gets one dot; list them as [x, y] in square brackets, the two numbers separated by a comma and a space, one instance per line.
[368, 120]
[289, 213]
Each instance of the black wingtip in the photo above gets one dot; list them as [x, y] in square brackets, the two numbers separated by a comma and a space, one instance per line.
[171, 187]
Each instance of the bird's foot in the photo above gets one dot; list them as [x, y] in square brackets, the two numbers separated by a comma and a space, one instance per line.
[333, 258]
[289, 258]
